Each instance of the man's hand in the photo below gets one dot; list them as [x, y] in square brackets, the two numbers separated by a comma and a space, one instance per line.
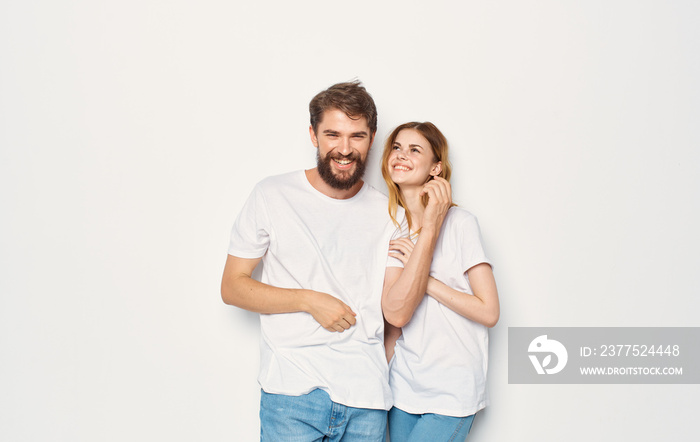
[439, 194]
[332, 313]
[401, 249]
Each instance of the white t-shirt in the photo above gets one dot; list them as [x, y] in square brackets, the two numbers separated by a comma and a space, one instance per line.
[309, 240]
[441, 358]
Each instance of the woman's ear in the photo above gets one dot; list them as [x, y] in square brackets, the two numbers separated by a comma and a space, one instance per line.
[437, 168]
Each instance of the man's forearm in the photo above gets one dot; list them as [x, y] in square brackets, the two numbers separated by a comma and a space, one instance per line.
[247, 293]
[239, 289]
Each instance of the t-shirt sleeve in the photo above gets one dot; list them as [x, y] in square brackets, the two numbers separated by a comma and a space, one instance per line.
[250, 236]
[472, 249]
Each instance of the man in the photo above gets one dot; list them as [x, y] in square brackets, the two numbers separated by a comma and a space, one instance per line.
[323, 236]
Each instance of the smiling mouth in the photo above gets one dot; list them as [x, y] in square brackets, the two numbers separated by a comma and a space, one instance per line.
[342, 161]
[402, 168]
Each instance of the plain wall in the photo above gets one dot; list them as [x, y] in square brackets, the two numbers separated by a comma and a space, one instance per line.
[131, 133]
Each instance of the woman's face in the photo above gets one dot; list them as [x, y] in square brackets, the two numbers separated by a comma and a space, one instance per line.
[411, 161]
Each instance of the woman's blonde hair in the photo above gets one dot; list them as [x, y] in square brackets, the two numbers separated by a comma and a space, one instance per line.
[438, 144]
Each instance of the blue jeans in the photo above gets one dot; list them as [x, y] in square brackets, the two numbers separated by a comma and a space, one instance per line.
[313, 417]
[406, 427]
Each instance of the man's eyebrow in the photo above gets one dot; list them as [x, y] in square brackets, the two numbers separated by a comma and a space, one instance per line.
[354, 134]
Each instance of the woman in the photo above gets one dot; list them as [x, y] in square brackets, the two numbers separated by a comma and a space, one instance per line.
[439, 360]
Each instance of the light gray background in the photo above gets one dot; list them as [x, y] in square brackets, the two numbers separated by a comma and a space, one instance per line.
[132, 132]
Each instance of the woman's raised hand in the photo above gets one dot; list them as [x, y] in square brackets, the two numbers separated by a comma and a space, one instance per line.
[439, 194]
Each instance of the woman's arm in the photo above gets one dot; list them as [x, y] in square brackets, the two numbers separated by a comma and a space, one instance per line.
[405, 288]
[404, 291]
[481, 307]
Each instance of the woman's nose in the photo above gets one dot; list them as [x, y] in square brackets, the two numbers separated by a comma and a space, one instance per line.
[401, 154]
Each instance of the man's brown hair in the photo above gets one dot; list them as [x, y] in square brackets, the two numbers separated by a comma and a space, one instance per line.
[351, 98]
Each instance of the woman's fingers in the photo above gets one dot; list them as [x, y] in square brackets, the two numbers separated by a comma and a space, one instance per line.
[401, 249]
[438, 190]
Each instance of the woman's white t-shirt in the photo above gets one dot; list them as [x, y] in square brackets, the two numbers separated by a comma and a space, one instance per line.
[440, 360]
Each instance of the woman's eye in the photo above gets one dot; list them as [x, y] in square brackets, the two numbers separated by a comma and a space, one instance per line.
[395, 147]
[415, 150]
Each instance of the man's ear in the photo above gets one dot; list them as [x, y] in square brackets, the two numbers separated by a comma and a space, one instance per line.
[371, 138]
[437, 168]
[312, 133]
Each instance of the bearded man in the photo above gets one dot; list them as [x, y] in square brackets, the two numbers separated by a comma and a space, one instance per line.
[323, 236]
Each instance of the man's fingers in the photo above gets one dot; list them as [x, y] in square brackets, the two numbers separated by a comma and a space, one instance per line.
[342, 325]
[332, 313]
[347, 320]
[348, 309]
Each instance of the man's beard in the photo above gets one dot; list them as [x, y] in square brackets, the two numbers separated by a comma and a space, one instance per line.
[346, 180]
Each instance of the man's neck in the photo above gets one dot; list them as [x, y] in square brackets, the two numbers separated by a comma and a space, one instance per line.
[317, 182]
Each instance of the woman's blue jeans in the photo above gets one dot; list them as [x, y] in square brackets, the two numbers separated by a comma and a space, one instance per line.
[407, 427]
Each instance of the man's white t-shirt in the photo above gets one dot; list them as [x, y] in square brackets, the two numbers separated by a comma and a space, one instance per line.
[441, 358]
[309, 240]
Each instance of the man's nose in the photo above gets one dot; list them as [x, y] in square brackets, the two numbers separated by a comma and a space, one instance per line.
[344, 147]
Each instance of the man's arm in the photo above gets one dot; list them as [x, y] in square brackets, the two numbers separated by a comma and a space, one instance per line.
[239, 289]
[404, 290]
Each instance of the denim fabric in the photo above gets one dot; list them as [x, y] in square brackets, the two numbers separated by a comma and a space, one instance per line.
[314, 417]
[429, 427]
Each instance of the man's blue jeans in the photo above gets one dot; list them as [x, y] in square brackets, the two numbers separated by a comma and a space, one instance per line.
[314, 417]
[406, 427]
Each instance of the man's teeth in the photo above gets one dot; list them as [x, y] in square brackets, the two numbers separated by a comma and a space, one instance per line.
[342, 162]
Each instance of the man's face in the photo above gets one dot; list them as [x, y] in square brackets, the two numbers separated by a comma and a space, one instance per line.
[343, 144]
